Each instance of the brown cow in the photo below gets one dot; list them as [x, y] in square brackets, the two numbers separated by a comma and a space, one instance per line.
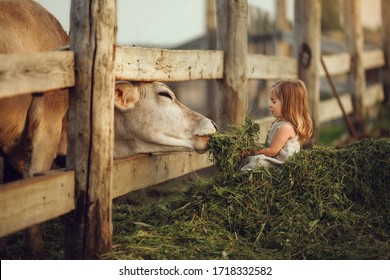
[26, 121]
[148, 117]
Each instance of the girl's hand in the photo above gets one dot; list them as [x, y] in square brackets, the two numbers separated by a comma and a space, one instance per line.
[248, 153]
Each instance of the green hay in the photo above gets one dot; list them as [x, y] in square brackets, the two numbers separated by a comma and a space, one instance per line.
[225, 148]
[323, 203]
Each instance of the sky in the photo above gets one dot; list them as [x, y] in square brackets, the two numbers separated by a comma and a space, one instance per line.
[168, 23]
[153, 22]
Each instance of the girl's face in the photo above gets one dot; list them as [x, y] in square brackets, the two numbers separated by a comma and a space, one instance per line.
[275, 106]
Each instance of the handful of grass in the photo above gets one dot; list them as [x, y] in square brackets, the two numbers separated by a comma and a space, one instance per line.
[225, 148]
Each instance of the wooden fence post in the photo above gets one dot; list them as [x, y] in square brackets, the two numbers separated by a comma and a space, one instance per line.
[282, 48]
[307, 31]
[232, 38]
[386, 49]
[91, 113]
[357, 77]
[211, 91]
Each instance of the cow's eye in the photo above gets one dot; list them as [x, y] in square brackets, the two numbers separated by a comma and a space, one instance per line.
[165, 94]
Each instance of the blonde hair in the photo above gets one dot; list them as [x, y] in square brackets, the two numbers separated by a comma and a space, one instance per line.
[293, 95]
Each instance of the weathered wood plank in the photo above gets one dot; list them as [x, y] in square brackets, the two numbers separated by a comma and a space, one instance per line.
[28, 202]
[22, 73]
[337, 64]
[386, 48]
[340, 63]
[143, 170]
[211, 23]
[268, 67]
[373, 59]
[91, 113]
[330, 110]
[307, 31]
[232, 38]
[353, 31]
[146, 64]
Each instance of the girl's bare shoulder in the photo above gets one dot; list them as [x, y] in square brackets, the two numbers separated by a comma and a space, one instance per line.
[287, 129]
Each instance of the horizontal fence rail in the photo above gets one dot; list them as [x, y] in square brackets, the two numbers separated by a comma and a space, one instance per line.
[330, 110]
[22, 73]
[145, 64]
[143, 170]
[31, 201]
[266, 67]
[339, 64]
[38, 72]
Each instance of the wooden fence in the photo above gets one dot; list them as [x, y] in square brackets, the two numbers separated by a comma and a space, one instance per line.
[31, 201]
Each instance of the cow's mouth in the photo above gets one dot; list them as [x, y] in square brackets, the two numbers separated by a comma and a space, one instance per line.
[201, 143]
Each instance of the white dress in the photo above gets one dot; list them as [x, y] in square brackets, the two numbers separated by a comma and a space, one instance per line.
[291, 147]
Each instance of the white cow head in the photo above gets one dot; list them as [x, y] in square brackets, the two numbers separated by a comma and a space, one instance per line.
[149, 119]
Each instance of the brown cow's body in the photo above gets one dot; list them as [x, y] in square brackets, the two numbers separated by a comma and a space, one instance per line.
[25, 121]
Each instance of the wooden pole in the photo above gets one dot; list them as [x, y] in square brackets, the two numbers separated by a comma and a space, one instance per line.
[211, 45]
[232, 38]
[386, 49]
[307, 31]
[356, 78]
[282, 48]
[91, 114]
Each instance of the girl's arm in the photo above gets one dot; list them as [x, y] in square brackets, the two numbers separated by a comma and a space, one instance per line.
[283, 134]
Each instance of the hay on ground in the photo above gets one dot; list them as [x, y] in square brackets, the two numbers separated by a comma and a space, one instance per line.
[323, 203]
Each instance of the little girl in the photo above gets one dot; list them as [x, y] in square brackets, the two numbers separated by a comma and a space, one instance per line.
[292, 127]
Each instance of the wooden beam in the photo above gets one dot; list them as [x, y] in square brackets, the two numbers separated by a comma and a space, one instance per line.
[373, 59]
[340, 63]
[307, 31]
[144, 170]
[146, 64]
[330, 110]
[355, 40]
[337, 64]
[232, 38]
[32, 201]
[268, 67]
[22, 73]
[386, 48]
[90, 135]
[211, 23]
[282, 26]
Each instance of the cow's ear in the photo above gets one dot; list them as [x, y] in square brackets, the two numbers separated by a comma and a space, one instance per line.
[126, 96]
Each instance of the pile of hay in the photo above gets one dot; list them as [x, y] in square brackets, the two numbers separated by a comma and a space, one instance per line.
[323, 203]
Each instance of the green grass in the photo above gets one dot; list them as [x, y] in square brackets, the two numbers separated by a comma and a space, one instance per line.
[331, 132]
